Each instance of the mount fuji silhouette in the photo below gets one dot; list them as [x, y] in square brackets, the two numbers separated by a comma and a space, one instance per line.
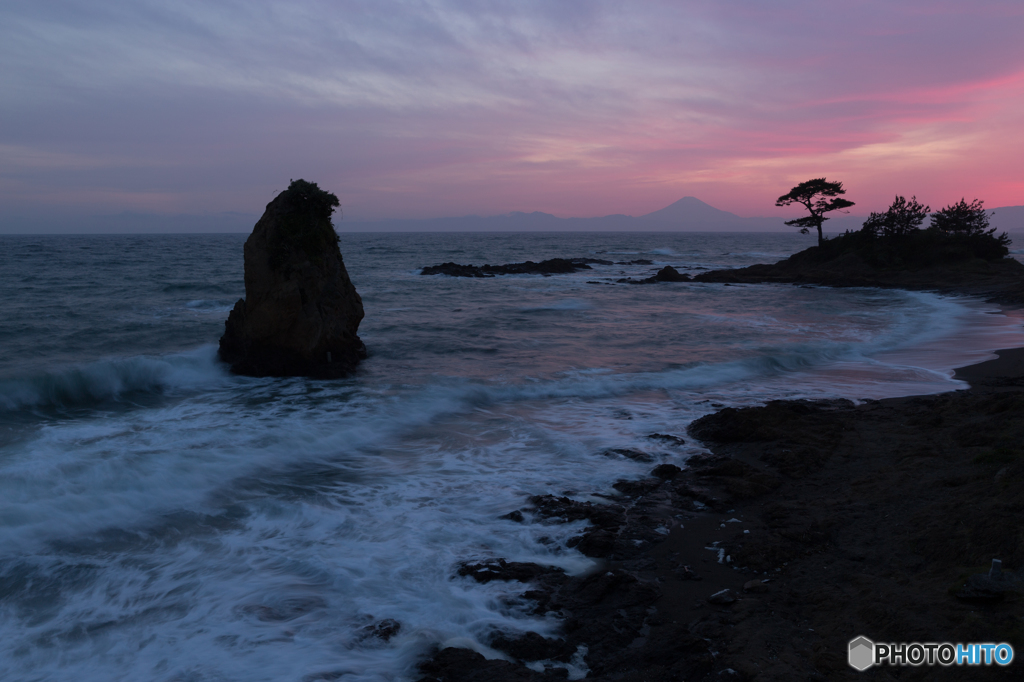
[687, 214]
[692, 210]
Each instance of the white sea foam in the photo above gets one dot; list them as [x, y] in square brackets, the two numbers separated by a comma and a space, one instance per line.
[112, 379]
[368, 516]
[185, 524]
[205, 306]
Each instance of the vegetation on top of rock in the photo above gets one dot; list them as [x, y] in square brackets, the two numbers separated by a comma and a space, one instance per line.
[902, 218]
[818, 196]
[963, 218]
[895, 240]
[305, 211]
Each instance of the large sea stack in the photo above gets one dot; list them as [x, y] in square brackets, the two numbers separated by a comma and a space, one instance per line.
[301, 312]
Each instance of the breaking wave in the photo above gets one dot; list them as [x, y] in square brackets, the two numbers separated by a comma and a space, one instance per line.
[113, 379]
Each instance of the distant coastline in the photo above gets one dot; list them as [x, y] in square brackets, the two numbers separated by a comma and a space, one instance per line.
[689, 214]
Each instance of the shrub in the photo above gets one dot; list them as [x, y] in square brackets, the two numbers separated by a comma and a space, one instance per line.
[902, 218]
[305, 212]
[893, 239]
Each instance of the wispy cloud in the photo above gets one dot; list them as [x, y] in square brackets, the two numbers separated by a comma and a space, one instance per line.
[425, 108]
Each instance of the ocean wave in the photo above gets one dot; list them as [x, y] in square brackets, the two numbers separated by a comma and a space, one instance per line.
[204, 305]
[113, 379]
[138, 464]
[560, 306]
[205, 287]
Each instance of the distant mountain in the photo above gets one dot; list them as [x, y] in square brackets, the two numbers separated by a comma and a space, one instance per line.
[1008, 218]
[691, 210]
[687, 214]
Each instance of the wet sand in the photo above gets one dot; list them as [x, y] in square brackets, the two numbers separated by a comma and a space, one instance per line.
[1006, 368]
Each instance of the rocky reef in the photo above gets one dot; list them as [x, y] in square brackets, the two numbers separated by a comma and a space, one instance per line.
[301, 311]
[552, 266]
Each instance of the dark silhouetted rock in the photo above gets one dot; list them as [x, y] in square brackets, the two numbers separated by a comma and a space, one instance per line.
[670, 274]
[499, 569]
[301, 312]
[464, 665]
[666, 471]
[599, 543]
[755, 586]
[529, 646]
[995, 585]
[607, 516]
[666, 438]
[385, 629]
[636, 488]
[553, 266]
[630, 453]
[666, 274]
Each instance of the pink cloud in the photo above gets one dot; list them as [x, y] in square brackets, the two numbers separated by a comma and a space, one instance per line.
[576, 108]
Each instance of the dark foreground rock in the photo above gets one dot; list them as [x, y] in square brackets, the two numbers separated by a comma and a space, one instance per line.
[553, 266]
[808, 524]
[301, 312]
[499, 569]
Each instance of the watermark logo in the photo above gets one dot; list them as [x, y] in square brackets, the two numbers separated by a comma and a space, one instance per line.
[863, 653]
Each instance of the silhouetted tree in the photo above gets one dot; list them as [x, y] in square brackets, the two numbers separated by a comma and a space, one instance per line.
[902, 218]
[815, 196]
[963, 218]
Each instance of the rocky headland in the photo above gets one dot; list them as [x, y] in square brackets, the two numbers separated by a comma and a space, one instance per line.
[301, 312]
[917, 263]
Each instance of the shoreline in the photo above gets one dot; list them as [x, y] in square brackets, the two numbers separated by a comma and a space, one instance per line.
[1007, 365]
[862, 520]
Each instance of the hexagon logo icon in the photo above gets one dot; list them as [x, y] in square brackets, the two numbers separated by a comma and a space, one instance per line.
[862, 653]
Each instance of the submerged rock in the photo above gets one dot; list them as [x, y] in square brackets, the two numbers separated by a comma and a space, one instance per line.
[666, 274]
[670, 274]
[301, 312]
[384, 629]
[499, 569]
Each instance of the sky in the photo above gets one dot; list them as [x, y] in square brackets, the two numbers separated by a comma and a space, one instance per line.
[431, 108]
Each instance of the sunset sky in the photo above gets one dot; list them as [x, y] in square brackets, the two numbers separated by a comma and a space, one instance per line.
[454, 107]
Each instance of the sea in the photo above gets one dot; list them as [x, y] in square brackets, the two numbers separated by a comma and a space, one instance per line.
[162, 519]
